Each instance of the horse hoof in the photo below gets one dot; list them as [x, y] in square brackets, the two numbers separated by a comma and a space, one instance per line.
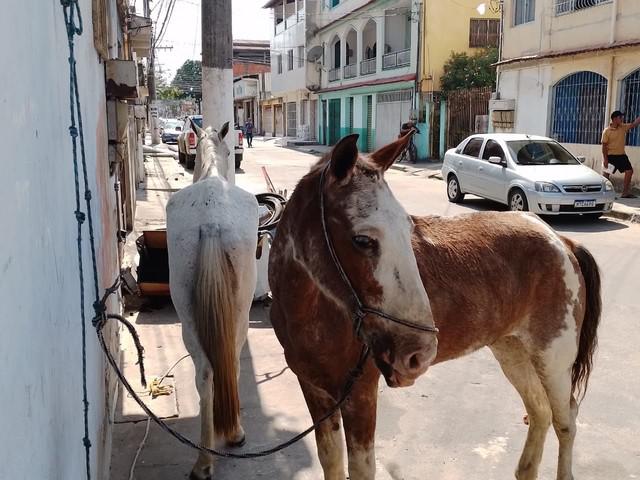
[207, 474]
[237, 443]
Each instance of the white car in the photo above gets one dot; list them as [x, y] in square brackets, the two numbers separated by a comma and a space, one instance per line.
[187, 142]
[527, 173]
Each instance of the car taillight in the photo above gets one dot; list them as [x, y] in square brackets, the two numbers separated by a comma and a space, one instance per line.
[192, 139]
[240, 137]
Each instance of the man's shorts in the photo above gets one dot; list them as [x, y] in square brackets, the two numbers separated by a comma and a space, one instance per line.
[621, 162]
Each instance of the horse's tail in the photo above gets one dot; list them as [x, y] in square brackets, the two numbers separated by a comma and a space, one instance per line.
[588, 333]
[216, 328]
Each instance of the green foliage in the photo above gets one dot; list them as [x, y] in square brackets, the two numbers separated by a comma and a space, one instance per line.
[169, 92]
[463, 71]
[188, 78]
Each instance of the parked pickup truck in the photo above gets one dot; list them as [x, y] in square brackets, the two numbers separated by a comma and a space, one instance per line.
[187, 141]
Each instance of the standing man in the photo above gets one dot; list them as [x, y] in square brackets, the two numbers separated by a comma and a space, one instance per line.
[613, 142]
[248, 131]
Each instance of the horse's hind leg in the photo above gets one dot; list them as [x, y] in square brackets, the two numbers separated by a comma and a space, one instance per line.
[518, 368]
[328, 437]
[203, 468]
[556, 380]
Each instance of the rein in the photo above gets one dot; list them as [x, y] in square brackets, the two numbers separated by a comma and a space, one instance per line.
[361, 310]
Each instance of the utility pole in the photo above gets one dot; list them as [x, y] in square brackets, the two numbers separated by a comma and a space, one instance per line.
[217, 75]
[151, 84]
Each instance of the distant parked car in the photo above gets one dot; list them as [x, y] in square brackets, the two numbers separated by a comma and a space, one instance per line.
[187, 142]
[527, 173]
[170, 130]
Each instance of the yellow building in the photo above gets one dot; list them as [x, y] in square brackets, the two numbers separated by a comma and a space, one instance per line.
[447, 26]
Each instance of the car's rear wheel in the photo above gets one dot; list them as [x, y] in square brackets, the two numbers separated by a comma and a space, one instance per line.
[454, 193]
[191, 161]
[180, 156]
[238, 160]
[518, 201]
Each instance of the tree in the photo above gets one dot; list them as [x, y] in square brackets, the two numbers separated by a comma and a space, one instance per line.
[188, 79]
[463, 71]
[169, 92]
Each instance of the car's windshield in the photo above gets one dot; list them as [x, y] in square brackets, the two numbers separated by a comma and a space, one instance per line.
[197, 121]
[172, 124]
[540, 152]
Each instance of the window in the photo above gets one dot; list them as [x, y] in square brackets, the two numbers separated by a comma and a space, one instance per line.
[524, 11]
[578, 109]
[483, 32]
[568, 6]
[630, 102]
[493, 149]
[334, 3]
[290, 60]
[536, 152]
[279, 63]
[472, 148]
[300, 57]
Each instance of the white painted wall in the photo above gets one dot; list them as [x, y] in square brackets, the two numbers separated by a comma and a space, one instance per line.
[531, 85]
[40, 361]
[288, 80]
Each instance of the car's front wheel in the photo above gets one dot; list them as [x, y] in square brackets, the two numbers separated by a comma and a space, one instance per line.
[518, 201]
[454, 193]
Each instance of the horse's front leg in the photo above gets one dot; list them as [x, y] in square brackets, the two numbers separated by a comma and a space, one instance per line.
[359, 416]
[328, 439]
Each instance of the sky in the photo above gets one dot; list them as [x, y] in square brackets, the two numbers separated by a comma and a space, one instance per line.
[184, 34]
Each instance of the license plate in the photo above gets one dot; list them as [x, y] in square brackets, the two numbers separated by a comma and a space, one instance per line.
[584, 203]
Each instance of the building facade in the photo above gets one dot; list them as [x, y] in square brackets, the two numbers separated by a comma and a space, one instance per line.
[566, 65]
[447, 26]
[366, 69]
[291, 109]
[41, 343]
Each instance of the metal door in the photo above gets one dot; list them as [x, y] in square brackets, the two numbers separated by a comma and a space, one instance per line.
[267, 121]
[369, 123]
[312, 120]
[279, 130]
[334, 121]
[392, 110]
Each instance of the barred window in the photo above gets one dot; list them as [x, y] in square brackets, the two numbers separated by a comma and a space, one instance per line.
[579, 103]
[300, 57]
[630, 102]
[290, 60]
[483, 32]
[279, 63]
[568, 6]
[524, 11]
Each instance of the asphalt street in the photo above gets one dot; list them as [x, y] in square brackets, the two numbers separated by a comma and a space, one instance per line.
[461, 420]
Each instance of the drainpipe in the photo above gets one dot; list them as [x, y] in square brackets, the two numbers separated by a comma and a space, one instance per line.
[500, 41]
[614, 20]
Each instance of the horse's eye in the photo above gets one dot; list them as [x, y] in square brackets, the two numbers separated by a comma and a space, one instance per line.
[364, 242]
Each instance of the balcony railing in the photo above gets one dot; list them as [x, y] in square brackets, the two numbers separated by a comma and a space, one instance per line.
[334, 74]
[280, 27]
[367, 67]
[291, 20]
[350, 71]
[397, 59]
[300, 14]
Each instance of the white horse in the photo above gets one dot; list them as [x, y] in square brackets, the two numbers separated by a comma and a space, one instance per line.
[211, 237]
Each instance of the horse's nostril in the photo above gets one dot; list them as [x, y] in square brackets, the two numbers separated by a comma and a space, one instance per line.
[415, 361]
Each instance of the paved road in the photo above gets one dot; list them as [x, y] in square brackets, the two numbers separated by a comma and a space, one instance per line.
[462, 420]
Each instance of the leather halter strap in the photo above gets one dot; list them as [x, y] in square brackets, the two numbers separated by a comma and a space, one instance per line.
[361, 310]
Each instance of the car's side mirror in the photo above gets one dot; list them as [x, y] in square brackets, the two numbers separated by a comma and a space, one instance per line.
[497, 161]
[581, 158]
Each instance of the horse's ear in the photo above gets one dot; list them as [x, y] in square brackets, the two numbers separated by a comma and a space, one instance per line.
[223, 131]
[385, 156]
[195, 128]
[344, 156]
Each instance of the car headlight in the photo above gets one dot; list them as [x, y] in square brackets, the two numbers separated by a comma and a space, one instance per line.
[608, 186]
[546, 187]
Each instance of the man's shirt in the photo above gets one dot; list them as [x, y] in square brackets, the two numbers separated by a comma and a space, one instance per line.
[613, 137]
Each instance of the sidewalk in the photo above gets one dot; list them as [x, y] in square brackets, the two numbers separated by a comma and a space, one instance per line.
[623, 208]
[273, 409]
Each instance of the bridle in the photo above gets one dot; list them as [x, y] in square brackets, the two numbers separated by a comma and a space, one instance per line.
[361, 310]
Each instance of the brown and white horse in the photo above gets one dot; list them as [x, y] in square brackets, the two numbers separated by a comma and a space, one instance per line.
[502, 280]
[211, 239]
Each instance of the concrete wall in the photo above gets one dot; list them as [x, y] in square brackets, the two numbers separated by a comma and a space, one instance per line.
[281, 43]
[531, 85]
[40, 345]
[580, 29]
[445, 29]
